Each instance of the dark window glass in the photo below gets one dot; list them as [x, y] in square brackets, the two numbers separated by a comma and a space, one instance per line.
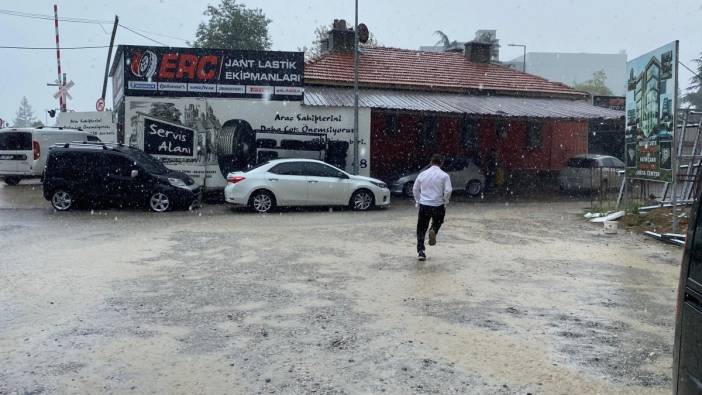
[391, 128]
[148, 162]
[314, 145]
[468, 128]
[582, 163]
[266, 143]
[91, 138]
[618, 163]
[454, 164]
[119, 165]
[292, 144]
[16, 141]
[608, 162]
[288, 169]
[319, 170]
[535, 135]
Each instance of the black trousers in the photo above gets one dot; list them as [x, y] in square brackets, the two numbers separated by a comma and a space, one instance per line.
[426, 213]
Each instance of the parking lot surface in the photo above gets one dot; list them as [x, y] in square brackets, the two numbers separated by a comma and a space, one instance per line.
[515, 298]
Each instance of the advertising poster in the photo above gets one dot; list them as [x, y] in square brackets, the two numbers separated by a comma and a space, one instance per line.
[650, 114]
[202, 72]
[99, 123]
[227, 135]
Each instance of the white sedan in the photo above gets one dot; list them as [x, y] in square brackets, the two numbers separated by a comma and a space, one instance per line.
[303, 182]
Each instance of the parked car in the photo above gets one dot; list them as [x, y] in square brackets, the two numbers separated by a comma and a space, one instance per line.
[591, 173]
[687, 351]
[23, 151]
[114, 174]
[465, 177]
[303, 182]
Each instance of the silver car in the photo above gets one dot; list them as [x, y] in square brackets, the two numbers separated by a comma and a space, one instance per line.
[591, 173]
[465, 177]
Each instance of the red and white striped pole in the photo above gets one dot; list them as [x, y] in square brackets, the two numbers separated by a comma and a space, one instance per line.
[59, 81]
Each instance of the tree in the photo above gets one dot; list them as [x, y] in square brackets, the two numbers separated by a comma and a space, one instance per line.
[596, 85]
[24, 116]
[320, 34]
[233, 26]
[694, 92]
[444, 40]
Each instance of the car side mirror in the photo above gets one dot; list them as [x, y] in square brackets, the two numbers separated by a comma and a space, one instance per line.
[135, 173]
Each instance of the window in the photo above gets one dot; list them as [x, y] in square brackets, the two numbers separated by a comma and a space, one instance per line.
[91, 138]
[266, 143]
[428, 133]
[535, 137]
[468, 129]
[391, 127]
[319, 170]
[695, 269]
[16, 141]
[582, 163]
[292, 144]
[289, 169]
[501, 129]
[119, 165]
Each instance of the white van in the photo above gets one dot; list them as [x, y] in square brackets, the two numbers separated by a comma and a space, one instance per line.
[23, 151]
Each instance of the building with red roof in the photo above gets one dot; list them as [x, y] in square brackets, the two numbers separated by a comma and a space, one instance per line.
[454, 103]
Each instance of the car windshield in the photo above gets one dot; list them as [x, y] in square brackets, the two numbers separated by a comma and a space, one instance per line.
[252, 219]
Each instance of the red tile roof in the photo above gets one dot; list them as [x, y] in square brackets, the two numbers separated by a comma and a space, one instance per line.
[432, 71]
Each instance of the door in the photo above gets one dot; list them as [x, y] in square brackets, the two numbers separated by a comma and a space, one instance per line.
[327, 185]
[119, 185]
[15, 152]
[689, 344]
[288, 182]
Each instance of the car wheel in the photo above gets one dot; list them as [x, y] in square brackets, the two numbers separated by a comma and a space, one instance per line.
[262, 201]
[474, 188]
[61, 200]
[362, 200]
[159, 202]
[12, 180]
[407, 189]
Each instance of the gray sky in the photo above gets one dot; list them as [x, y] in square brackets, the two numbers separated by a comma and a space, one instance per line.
[602, 26]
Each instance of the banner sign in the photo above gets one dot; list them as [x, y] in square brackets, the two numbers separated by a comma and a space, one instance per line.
[166, 139]
[188, 72]
[99, 123]
[650, 114]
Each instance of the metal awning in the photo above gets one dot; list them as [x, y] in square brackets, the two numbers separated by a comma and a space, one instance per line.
[507, 106]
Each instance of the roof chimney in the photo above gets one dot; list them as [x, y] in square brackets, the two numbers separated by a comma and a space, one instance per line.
[478, 52]
[339, 39]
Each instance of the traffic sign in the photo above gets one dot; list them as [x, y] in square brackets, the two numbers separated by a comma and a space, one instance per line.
[100, 104]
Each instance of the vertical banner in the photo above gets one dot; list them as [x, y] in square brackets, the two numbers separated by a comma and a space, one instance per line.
[651, 100]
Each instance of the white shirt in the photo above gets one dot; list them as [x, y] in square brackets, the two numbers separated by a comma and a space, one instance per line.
[432, 187]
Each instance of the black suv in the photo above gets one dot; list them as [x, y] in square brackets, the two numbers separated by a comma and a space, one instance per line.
[115, 174]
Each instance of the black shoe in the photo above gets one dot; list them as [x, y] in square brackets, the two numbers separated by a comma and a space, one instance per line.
[421, 256]
[432, 237]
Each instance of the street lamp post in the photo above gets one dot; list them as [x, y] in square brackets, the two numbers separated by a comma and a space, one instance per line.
[523, 56]
[355, 94]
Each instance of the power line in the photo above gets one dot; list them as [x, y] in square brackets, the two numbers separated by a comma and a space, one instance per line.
[139, 34]
[53, 48]
[51, 17]
[694, 73]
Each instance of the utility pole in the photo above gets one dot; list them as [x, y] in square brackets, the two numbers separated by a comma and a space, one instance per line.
[60, 81]
[109, 56]
[523, 56]
[355, 93]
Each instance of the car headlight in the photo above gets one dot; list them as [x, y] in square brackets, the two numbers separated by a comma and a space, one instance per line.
[380, 185]
[177, 182]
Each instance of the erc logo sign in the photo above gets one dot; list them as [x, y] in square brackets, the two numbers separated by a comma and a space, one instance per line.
[174, 66]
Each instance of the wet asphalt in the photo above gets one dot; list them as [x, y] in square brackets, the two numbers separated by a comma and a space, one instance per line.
[516, 298]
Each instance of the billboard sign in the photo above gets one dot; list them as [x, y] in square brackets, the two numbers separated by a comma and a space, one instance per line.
[650, 114]
[202, 72]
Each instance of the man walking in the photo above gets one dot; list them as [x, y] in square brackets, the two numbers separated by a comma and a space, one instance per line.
[432, 190]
